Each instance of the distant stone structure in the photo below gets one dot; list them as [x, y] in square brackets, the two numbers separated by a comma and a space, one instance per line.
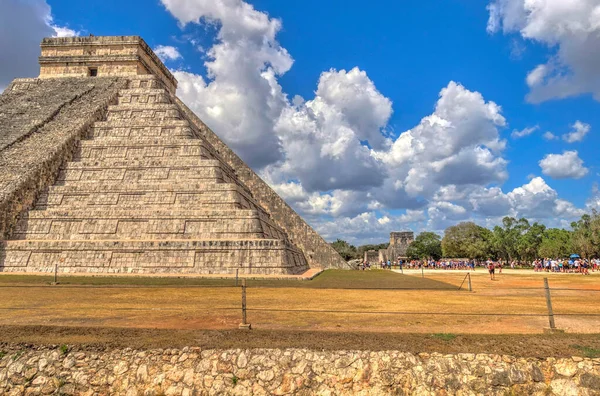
[399, 242]
[105, 170]
[372, 257]
[383, 255]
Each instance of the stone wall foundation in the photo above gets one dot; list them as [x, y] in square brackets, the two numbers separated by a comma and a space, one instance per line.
[196, 371]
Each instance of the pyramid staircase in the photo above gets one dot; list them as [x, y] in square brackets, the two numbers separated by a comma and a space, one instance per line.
[146, 193]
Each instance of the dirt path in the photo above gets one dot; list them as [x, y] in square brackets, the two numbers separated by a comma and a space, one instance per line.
[560, 345]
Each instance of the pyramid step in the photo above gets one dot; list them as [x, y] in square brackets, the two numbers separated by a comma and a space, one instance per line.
[140, 163]
[166, 145]
[249, 256]
[142, 141]
[142, 123]
[114, 149]
[138, 228]
[143, 96]
[108, 186]
[146, 212]
[155, 111]
[157, 213]
[142, 106]
[173, 200]
[75, 172]
[163, 128]
[141, 223]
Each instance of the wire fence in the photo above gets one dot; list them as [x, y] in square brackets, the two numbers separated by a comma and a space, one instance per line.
[246, 310]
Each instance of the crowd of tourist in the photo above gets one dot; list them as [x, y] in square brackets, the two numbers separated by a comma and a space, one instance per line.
[429, 264]
[576, 265]
[582, 266]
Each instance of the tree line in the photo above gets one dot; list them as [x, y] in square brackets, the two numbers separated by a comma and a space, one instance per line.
[515, 240]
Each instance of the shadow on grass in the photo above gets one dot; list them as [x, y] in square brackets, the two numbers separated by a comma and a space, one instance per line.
[329, 279]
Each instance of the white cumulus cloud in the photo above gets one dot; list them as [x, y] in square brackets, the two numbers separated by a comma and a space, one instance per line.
[570, 29]
[458, 144]
[167, 53]
[331, 155]
[567, 165]
[578, 132]
[241, 99]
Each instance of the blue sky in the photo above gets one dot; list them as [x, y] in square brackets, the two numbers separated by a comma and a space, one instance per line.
[365, 150]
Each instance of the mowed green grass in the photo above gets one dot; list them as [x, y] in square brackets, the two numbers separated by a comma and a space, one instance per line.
[330, 279]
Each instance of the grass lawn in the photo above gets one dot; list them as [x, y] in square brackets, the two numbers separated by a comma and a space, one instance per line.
[330, 279]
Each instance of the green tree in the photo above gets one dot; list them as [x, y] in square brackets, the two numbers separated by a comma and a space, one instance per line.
[586, 235]
[529, 242]
[427, 245]
[556, 243]
[467, 240]
[506, 239]
[347, 251]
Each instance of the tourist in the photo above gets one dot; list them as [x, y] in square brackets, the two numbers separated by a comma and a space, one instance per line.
[584, 267]
[491, 270]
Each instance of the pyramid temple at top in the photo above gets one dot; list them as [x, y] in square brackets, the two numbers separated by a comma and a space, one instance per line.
[104, 170]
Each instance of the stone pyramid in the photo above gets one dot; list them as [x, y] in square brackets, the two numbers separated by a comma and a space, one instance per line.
[113, 174]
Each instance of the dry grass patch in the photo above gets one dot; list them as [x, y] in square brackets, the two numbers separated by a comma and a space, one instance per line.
[344, 301]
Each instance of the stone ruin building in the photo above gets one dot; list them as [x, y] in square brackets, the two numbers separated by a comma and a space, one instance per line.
[399, 242]
[104, 170]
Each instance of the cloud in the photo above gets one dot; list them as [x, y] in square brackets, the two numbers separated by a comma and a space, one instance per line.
[567, 165]
[458, 144]
[23, 25]
[444, 214]
[322, 138]
[241, 98]
[167, 53]
[331, 155]
[355, 97]
[593, 202]
[549, 136]
[516, 134]
[535, 200]
[579, 130]
[62, 31]
[367, 227]
[538, 201]
[569, 29]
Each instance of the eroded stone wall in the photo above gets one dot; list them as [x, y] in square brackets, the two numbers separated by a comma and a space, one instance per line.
[52, 116]
[194, 371]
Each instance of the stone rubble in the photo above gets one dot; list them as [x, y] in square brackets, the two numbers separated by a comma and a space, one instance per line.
[196, 371]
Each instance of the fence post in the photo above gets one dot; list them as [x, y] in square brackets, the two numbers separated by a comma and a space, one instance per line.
[236, 277]
[244, 324]
[549, 305]
[55, 274]
[422, 271]
[469, 275]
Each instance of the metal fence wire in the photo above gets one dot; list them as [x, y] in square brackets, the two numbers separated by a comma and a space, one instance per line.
[244, 309]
